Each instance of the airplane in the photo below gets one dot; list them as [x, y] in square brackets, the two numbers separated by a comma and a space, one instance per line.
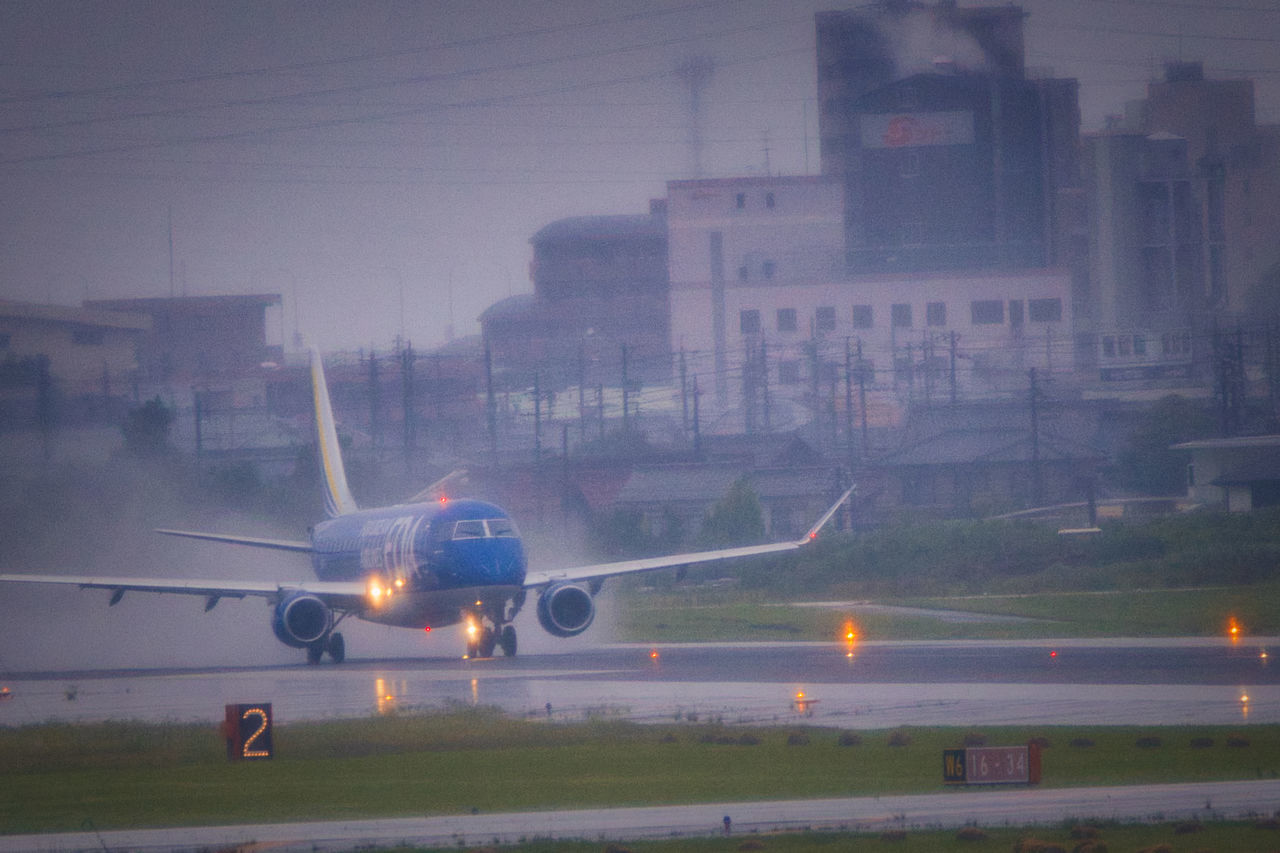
[429, 563]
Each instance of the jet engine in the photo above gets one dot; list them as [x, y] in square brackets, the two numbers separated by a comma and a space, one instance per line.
[566, 610]
[300, 619]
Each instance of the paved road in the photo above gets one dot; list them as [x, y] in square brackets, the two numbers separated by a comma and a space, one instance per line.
[951, 809]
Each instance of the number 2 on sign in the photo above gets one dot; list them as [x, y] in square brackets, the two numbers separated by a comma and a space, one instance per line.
[248, 751]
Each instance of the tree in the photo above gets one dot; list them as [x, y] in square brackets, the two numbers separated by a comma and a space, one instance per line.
[1147, 464]
[736, 519]
[146, 428]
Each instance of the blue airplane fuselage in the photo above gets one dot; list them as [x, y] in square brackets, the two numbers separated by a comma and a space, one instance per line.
[462, 552]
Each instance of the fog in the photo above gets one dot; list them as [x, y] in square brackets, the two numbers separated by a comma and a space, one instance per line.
[383, 163]
[85, 517]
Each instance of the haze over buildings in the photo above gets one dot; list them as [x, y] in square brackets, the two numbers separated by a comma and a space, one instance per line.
[383, 165]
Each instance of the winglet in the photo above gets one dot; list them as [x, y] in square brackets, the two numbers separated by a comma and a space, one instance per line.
[826, 516]
[337, 497]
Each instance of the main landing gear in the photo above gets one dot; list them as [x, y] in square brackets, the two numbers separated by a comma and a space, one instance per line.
[331, 643]
[484, 638]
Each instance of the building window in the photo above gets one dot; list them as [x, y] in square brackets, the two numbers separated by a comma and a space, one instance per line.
[769, 268]
[4, 340]
[1108, 347]
[749, 321]
[741, 200]
[1045, 310]
[789, 372]
[825, 318]
[743, 273]
[768, 200]
[786, 319]
[1015, 312]
[935, 313]
[862, 318]
[900, 315]
[87, 336]
[987, 311]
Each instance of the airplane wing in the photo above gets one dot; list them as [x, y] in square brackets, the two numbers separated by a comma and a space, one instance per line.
[278, 544]
[341, 594]
[623, 567]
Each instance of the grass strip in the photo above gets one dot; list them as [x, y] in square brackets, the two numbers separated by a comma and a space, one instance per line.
[726, 616]
[55, 777]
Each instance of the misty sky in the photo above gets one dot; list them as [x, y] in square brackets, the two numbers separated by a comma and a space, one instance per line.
[382, 163]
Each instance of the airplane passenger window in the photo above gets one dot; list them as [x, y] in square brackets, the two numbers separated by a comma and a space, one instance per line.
[501, 527]
[468, 530]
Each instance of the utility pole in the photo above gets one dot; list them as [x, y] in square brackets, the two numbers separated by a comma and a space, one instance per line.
[848, 402]
[953, 368]
[862, 397]
[1037, 481]
[626, 422]
[406, 394]
[684, 395]
[375, 403]
[697, 427]
[490, 405]
[582, 400]
[537, 418]
[764, 386]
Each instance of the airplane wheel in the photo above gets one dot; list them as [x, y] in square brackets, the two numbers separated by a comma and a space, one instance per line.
[337, 647]
[488, 640]
[315, 651]
[507, 640]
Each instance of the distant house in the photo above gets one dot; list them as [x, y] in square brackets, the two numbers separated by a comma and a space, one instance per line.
[791, 498]
[1237, 474]
[960, 472]
[199, 337]
[90, 351]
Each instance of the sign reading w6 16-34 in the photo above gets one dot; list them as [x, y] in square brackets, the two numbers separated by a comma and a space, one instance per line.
[992, 765]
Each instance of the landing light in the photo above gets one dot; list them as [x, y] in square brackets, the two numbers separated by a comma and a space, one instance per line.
[399, 583]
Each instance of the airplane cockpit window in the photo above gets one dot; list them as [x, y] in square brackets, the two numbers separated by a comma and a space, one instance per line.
[469, 530]
[502, 527]
[484, 528]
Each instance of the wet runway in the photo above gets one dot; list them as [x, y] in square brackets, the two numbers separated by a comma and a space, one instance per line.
[874, 685]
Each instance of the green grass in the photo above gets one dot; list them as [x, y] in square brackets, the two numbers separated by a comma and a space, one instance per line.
[729, 615]
[132, 775]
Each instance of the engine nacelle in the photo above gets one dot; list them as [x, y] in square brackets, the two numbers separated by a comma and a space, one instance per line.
[566, 610]
[300, 619]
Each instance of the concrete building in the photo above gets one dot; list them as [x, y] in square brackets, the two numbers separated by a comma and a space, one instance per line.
[1185, 235]
[1146, 279]
[1235, 173]
[599, 284]
[760, 299]
[1236, 474]
[950, 156]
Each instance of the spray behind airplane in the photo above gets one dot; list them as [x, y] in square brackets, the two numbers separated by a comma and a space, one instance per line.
[424, 564]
